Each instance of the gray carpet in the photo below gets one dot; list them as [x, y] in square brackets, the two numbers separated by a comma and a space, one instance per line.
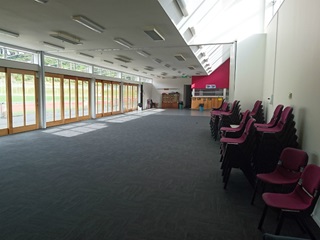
[153, 176]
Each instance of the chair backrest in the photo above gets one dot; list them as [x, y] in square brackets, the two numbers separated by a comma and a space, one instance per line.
[256, 107]
[293, 159]
[276, 115]
[224, 106]
[234, 104]
[309, 184]
[249, 125]
[244, 119]
[285, 115]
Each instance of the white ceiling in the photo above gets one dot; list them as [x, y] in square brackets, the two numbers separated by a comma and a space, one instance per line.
[121, 18]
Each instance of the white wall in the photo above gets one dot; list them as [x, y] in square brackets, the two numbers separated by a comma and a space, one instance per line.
[297, 70]
[147, 94]
[168, 85]
[250, 61]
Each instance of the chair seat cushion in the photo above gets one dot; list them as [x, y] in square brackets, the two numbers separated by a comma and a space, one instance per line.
[277, 178]
[290, 201]
[232, 140]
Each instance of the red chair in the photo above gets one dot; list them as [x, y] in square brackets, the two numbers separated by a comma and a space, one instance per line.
[237, 131]
[274, 120]
[302, 199]
[288, 172]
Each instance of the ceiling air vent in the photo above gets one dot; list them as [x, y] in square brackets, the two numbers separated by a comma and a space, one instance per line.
[191, 67]
[167, 65]
[179, 57]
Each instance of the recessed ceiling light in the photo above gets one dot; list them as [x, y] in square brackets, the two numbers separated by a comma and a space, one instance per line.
[154, 34]
[123, 42]
[180, 57]
[144, 53]
[88, 23]
[157, 60]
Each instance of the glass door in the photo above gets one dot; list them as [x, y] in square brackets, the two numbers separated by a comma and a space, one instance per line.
[23, 114]
[3, 104]
[115, 98]
[53, 88]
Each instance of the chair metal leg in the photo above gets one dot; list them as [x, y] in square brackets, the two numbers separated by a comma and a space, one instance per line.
[255, 191]
[280, 223]
[263, 216]
[226, 178]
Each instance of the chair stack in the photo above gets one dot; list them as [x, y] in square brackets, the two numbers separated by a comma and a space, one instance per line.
[257, 112]
[272, 140]
[215, 116]
[238, 153]
[226, 119]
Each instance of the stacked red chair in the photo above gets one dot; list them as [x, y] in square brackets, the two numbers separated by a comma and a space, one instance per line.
[214, 119]
[301, 200]
[271, 142]
[238, 153]
[287, 173]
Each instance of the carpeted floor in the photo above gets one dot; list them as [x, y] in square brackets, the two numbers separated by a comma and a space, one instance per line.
[150, 175]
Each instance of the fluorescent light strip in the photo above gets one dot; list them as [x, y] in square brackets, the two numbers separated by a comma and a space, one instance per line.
[107, 61]
[144, 53]
[54, 46]
[8, 33]
[123, 42]
[66, 38]
[88, 23]
[41, 1]
[86, 55]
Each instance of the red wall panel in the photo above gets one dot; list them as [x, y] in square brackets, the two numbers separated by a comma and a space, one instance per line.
[219, 77]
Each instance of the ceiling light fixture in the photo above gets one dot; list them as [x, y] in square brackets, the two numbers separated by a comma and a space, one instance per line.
[180, 57]
[54, 46]
[154, 34]
[157, 60]
[191, 67]
[107, 61]
[167, 65]
[86, 55]
[183, 7]
[123, 59]
[88, 23]
[144, 53]
[123, 42]
[66, 38]
[8, 33]
[41, 1]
